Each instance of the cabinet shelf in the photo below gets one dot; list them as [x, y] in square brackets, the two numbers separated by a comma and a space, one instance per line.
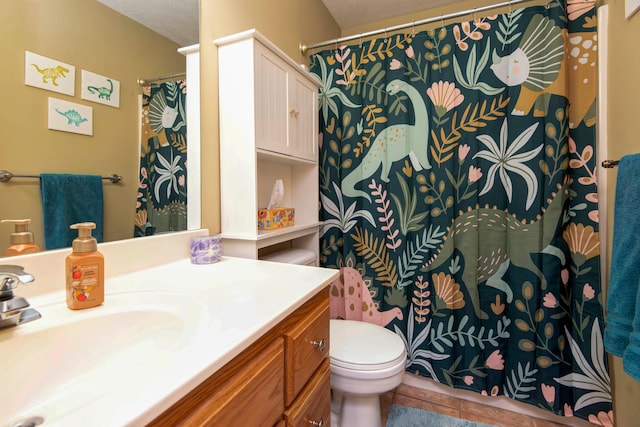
[286, 159]
[265, 238]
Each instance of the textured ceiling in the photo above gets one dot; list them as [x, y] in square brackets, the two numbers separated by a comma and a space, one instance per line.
[352, 13]
[177, 20]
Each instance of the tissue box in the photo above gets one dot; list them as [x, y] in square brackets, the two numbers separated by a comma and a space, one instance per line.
[270, 219]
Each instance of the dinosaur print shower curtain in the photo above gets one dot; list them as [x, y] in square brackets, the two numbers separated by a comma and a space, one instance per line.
[161, 204]
[459, 200]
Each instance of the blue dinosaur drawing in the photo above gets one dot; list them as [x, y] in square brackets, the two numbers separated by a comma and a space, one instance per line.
[72, 116]
[395, 142]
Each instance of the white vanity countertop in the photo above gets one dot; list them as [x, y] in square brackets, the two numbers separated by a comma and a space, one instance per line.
[236, 301]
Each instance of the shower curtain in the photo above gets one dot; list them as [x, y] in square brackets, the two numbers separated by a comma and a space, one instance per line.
[161, 204]
[459, 200]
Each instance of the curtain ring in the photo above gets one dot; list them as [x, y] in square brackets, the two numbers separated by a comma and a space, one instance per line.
[546, 5]
[413, 28]
[475, 18]
[360, 44]
[510, 9]
[336, 46]
[385, 34]
[442, 21]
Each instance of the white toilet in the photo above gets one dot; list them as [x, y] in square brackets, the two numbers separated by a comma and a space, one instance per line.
[366, 360]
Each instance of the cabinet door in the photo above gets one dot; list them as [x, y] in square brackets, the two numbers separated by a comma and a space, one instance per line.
[303, 117]
[313, 405]
[306, 346]
[271, 97]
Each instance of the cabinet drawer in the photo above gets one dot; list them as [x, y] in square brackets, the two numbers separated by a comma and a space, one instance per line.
[236, 402]
[306, 345]
[313, 405]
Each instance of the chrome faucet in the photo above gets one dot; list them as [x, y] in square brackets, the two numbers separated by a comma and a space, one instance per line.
[14, 310]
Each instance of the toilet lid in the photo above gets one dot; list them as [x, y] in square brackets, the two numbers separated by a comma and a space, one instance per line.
[364, 346]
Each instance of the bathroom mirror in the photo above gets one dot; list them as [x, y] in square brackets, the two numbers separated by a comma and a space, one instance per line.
[89, 36]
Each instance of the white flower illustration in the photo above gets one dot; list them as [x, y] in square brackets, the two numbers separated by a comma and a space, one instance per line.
[505, 158]
[167, 174]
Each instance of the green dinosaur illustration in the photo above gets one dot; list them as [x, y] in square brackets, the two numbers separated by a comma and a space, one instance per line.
[394, 143]
[489, 237]
[72, 116]
[102, 92]
[52, 73]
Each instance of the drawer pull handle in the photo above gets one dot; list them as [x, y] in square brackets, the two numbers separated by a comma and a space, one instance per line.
[317, 423]
[319, 345]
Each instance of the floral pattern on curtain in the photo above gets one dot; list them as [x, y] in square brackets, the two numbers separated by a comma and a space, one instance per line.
[161, 204]
[459, 200]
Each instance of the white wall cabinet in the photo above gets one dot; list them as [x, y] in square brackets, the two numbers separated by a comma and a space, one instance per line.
[268, 131]
[286, 113]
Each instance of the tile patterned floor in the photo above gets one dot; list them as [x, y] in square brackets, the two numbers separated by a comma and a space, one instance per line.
[414, 397]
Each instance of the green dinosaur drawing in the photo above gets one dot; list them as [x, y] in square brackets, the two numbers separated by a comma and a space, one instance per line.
[102, 92]
[394, 143]
[488, 238]
[52, 73]
[72, 116]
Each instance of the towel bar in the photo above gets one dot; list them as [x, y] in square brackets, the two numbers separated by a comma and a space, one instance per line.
[6, 176]
[610, 163]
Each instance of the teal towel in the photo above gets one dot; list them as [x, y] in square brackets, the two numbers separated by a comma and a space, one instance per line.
[631, 357]
[625, 258]
[69, 199]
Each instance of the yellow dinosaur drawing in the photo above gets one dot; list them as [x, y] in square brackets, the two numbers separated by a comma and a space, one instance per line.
[52, 73]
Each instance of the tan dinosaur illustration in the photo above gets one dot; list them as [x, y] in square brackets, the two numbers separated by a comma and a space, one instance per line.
[549, 62]
[351, 300]
[52, 73]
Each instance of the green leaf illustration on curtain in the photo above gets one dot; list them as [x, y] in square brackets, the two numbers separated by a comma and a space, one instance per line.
[459, 188]
[162, 191]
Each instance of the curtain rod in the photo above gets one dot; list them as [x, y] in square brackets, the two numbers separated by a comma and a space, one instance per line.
[5, 176]
[304, 48]
[145, 82]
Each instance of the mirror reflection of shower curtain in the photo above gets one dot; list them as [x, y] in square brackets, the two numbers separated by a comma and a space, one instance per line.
[161, 204]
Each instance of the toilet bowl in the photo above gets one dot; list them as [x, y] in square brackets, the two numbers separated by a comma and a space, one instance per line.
[366, 360]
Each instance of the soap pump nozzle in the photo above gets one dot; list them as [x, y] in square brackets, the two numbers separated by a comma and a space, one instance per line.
[21, 240]
[85, 242]
[21, 233]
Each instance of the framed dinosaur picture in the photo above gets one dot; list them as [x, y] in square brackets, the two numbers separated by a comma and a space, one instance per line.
[50, 74]
[631, 7]
[70, 117]
[101, 89]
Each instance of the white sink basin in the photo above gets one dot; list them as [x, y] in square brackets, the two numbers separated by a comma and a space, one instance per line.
[69, 360]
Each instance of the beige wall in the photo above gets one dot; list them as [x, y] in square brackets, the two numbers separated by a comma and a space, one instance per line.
[286, 23]
[463, 5]
[89, 36]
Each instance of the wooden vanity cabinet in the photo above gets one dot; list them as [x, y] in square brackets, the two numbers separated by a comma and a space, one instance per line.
[282, 379]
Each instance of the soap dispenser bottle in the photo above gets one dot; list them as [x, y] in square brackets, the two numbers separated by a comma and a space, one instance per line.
[84, 269]
[21, 240]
